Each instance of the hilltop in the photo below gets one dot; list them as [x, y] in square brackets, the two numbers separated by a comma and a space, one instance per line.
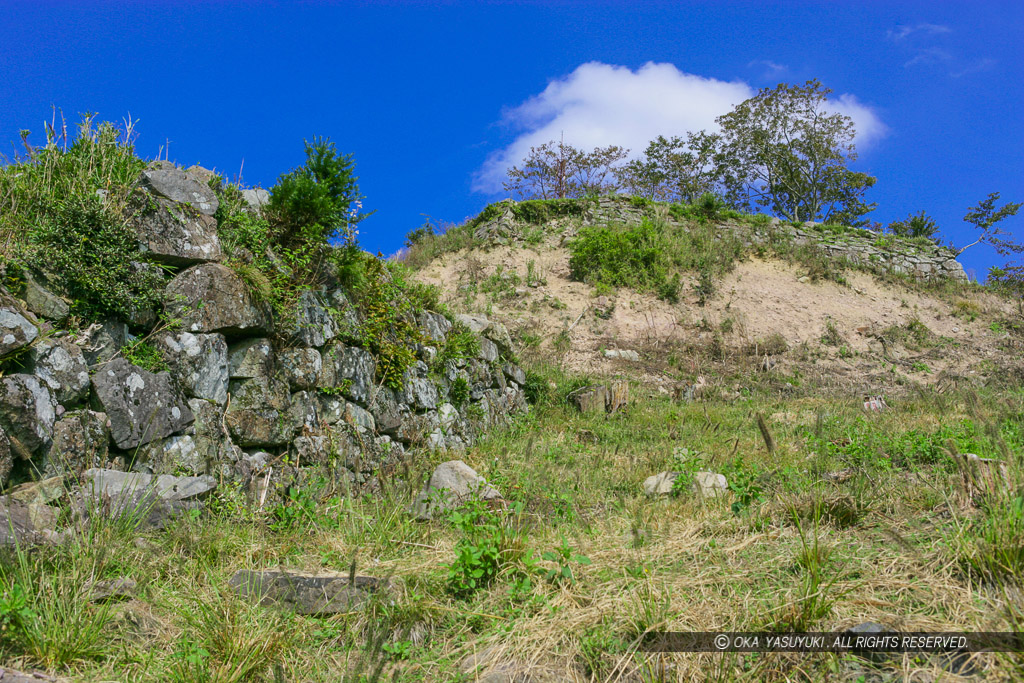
[832, 306]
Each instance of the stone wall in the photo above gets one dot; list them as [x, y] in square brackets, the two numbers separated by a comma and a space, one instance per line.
[884, 253]
[247, 398]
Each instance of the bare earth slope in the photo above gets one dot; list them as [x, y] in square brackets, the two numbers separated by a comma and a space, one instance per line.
[865, 334]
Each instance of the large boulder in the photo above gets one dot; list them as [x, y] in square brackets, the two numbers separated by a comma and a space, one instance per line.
[212, 440]
[313, 325]
[259, 412]
[173, 455]
[176, 234]
[301, 367]
[434, 325]
[60, 365]
[16, 330]
[181, 187]
[251, 358]
[198, 362]
[452, 484]
[353, 369]
[41, 301]
[28, 411]
[142, 406]
[22, 523]
[139, 499]
[81, 441]
[257, 198]
[212, 298]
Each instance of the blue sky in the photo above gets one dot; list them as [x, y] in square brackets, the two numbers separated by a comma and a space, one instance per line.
[431, 98]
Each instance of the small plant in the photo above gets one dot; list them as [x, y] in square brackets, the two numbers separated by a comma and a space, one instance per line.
[564, 558]
[146, 356]
[487, 546]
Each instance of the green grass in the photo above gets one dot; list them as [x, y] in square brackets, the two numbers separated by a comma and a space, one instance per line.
[582, 563]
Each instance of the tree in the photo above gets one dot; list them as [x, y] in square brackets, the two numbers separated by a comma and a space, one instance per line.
[557, 170]
[985, 218]
[318, 201]
[674, 169]
[781, 149]
[915, 225]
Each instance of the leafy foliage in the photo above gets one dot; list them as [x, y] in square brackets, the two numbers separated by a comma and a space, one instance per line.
[64, 211]
[318, 201]
[915, 225]
[783, 151]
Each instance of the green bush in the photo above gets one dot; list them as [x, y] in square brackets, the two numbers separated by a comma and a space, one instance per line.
[64, 211]
[620, 256]
[318, 201]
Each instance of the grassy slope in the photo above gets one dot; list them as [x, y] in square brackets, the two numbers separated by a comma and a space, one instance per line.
[896, 543]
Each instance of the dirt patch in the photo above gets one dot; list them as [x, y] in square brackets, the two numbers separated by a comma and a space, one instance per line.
[839, 332]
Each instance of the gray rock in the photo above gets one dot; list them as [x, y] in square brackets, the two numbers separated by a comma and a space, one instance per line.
[451, 485]
[198, 362]
[112, 590]
[257, 198]
[592, 399]
[25, 523]
[355, 365]
[6, 458]
[9, 675]
[314, 325]
[622, 354]
[704, 484]
[182, 187]
[142, 406]
[102, 341]
[488, 351]
[251, 358]
[143, 500]
[309, 594]
[302, 367]
[42, 301]
[176, 234]
[476, 323]
[514, 373]
[420, 393]
[660, 484]
[60, 365]
[208, 432]
[81, 440]
[258, 414]
[173, 455]
[359, 417]
[42, 492]
[16, 331]
[303, 412]
[27, 414]
[211, 298]
[434, 325]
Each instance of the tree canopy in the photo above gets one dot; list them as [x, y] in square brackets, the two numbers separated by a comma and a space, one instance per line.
[783, 150]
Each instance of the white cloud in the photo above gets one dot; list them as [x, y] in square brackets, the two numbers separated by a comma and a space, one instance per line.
[931, 55]
[603, 104]
[980, 65]
[770, 69]
[901, 32]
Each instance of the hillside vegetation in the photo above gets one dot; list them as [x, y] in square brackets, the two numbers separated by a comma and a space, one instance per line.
[733, 345]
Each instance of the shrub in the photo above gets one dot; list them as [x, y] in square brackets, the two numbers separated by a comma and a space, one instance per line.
[620, 256]
[915, 225]
[318, 201]
[64, 211]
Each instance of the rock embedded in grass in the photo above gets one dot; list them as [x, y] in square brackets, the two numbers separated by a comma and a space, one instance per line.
[705, 484]
[308, 594]
[452, 484]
